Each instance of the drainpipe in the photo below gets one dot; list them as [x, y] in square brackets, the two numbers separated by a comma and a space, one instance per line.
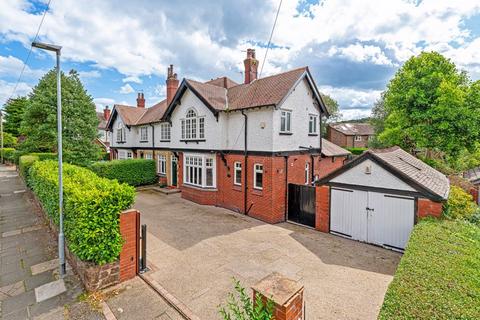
[153, 142]
[245, 161]
[286, 187]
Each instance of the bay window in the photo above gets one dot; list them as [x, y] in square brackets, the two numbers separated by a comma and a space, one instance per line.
[199, 170]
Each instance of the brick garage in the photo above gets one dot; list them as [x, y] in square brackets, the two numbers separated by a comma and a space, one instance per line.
[379, 196]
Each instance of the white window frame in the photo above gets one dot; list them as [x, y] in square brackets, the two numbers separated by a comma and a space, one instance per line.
[358, 138]
[193, 126]
[257, 168]
[313, 122]
[237, 167]
[144, 134]
[148, 156]
[307, 173]
[165, 131]
[162, 164]
[129, 155]
[286, 117]
[195, 167]
[122, 155]
[121, 133]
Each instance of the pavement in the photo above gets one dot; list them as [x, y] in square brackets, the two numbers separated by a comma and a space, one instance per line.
[193, 252]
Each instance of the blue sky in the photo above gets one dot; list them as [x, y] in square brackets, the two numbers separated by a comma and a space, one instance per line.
[353, 47]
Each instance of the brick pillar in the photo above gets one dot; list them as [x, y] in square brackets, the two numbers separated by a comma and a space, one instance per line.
[129, 229]
[428, 207]
[322, 208]
[286, 294]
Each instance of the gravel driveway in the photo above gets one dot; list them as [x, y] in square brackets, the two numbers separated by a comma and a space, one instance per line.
[194, 251]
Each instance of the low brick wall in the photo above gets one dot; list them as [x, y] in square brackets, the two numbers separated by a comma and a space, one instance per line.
[322, 208]
[95, 277]
[428, 208]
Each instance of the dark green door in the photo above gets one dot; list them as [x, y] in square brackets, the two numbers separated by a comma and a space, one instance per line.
[174, 171]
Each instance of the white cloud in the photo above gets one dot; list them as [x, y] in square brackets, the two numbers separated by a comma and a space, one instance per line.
[126, 89]
[102, 102]
[132, 79]
[89, 74]
[361, 53]
[12, 67]
[6, 89]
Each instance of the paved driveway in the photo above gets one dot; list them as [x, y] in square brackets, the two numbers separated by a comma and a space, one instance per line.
[195, 251]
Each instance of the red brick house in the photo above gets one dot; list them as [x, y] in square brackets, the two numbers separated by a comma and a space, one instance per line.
[379, 197]
[350, 135]
[240, 146]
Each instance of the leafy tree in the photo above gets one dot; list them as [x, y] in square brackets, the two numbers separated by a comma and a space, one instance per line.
[377, 120]
[14, 110]
[431, 105]
[79, 119]
[9, 140]
[333, 110]
[245, 309]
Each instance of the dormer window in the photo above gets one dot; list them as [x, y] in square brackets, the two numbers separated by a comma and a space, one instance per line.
[193, 126]
[121, 133]
[143, 134]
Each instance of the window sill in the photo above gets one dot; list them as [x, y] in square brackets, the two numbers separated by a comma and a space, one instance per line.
[191, 186]
[144, 141]
[237, 187]
[286, 133]
[192, 140]
[164, 140]
[313, 134]
[161, 174]
[257, 192]
[121, 142]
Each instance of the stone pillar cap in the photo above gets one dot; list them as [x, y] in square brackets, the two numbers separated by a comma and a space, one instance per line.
[278, 287]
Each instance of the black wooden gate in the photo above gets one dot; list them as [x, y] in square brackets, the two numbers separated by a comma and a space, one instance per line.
[301, 204]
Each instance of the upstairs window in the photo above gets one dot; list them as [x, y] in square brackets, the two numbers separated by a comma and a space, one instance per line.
[258, 176]
[237, 177]
[121, 133]
[193, 126]
[312, 124]
[285, 121]
[165, 132]
[143, 134]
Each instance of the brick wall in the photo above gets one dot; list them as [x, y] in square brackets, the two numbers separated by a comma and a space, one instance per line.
[323, 166]
[426, 207]
[129, 228]
[336, 137]
[322, 205]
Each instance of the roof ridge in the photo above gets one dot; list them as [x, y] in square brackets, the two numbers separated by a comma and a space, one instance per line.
[270, 76]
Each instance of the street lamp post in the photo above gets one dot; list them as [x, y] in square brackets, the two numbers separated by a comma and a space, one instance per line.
[1, 134]
[61, 237]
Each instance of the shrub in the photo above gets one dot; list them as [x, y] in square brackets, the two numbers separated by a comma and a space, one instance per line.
[135, 172]
[245, 309]
[24, 165]
[8, 154]
[460, 204]
[92, 207]
[438, 276]
[357, 151]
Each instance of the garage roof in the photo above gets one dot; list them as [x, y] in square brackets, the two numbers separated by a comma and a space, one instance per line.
[408, 168]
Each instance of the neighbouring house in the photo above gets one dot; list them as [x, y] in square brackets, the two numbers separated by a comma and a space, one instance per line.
[240, 146]
[473, 176]
[379, 196]
[140, 132]
[350, 135]
[103, 139]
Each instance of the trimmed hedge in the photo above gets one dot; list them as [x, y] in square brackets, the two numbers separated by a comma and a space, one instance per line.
[8, 154]
[439, 274]
[357, 151]
[27, 160]
[135, 172]
[92, 207]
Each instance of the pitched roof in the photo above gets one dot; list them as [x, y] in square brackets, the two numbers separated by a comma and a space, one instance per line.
[351, 128]
[224, 82]
[330, 149]
[214, 95]
[154, 113]
[129, 114]
[473, 175]
[102, 123]
[424, 178]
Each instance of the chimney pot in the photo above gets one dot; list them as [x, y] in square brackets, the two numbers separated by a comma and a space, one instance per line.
[172, 84]
[251, 66]
[106, 113]
[140, 100]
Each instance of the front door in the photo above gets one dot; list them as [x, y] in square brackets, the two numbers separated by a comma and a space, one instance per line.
[301, 204]
[174, 170]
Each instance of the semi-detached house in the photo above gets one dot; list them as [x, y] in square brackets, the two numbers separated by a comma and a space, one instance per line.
[233, 145]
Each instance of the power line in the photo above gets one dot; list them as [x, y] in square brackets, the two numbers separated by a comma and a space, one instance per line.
[270, 39]
[30, 50]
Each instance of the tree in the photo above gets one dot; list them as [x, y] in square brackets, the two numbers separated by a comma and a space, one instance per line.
[9, 140]
[333, 110]
[14, 110]
[377, 120]
[431, 105]
[79, 119]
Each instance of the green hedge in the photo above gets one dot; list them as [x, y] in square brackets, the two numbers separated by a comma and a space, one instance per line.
[135, 172]
[27, 160]
[92, 207]
[8, 154]
[357, 151]
[439, 274]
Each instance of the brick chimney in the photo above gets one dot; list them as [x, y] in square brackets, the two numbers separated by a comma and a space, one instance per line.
[172, 84]
[140, 100]
[251, 66]
[106, 113]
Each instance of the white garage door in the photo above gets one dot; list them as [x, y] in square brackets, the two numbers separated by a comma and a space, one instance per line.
[373, 217]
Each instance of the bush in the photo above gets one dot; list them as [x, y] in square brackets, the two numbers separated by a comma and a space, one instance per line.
[24, 165]
[438, 276]
[460, 204]
[92, 207]
[357, 151]
[135, 172]
[8, 154]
